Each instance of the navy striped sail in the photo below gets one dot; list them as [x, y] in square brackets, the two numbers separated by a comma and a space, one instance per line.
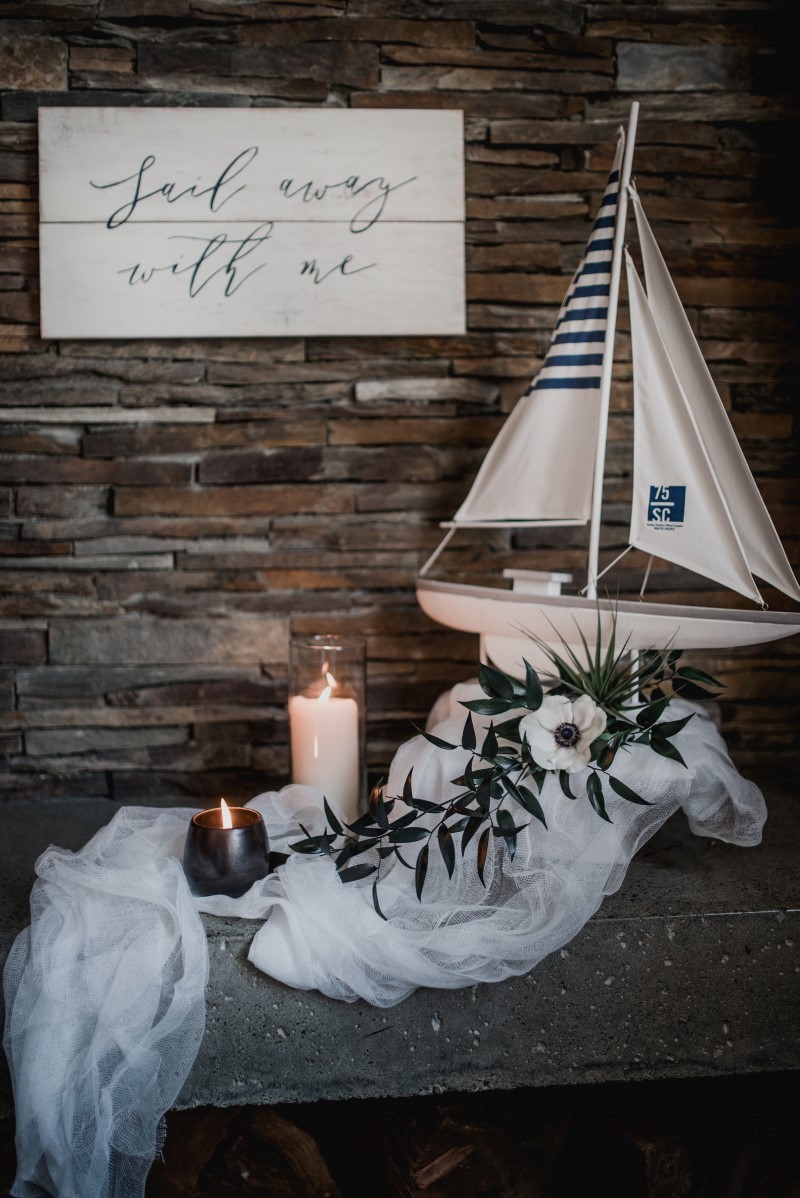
[540, 467]
[575, 356]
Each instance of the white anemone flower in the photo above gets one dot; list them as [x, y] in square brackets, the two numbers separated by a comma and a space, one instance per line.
[561, 732]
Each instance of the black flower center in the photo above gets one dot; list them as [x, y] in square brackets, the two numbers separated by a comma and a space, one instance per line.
[567, 735]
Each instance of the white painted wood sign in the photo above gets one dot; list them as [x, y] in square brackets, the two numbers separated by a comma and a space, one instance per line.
[249, 223]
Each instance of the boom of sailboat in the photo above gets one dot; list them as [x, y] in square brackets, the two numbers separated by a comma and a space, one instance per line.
[695, 502]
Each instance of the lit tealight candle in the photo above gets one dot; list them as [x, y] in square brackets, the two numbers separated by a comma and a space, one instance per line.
[226, 850]
[324, 730]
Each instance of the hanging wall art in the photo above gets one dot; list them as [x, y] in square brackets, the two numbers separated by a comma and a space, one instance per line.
[258, 222]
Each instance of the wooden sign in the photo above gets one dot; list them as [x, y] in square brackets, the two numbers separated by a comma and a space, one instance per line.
[251, 223]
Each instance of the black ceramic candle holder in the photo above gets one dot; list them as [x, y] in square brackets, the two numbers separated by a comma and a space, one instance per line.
[218, 860]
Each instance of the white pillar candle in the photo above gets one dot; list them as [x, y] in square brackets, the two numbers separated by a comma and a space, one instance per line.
[325, 748]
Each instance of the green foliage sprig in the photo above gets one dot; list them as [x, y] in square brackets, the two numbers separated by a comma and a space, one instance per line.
[501, 782]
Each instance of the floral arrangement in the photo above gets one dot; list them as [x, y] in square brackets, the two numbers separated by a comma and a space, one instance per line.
[578, 719]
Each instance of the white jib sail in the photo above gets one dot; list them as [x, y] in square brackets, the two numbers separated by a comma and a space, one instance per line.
[762, 547]
[679, 511]
[541, 464]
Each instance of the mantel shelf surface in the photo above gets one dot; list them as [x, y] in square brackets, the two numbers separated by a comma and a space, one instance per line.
[689, 970]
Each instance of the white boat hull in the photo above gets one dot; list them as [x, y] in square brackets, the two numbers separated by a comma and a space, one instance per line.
[509, 615]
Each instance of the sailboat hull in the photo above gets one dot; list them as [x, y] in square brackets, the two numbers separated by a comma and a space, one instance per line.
[509, 614]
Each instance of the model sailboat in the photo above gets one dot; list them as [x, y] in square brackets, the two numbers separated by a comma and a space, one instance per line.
[695, 502]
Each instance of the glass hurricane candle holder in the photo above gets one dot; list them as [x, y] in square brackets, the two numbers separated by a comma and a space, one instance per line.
[327, 685]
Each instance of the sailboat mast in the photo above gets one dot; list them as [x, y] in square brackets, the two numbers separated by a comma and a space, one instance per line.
[608, 353]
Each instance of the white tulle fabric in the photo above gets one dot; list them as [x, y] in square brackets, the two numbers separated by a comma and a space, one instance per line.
[105, 990]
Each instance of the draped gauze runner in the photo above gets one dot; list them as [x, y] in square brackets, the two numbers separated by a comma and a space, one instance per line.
[105, 990]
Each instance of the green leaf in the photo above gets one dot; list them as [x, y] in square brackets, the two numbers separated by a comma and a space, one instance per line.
[408, 793]
[652, 712]
[378, 808]
[474, 823]
[363, 846]
[538, 775]
[327, 840]
[563, 779]
[331, 818]
[375, 902]
[483, 795]
[625, 792]
[673, 727]
[685, 689]
[608, 752]
[409, 818]
[423, 805]
[665, 748]
[447, 848]
[487, 706]
[407, 835]
[311, 844]
[468, 738]
[505, 824]
[494, 683]
[483, 849]
[362, 824]
[594, 789]
[695, 675]
[509, 729]
[346, 853]
[464, 801]
[436, 741]
[402, 859]
[531, 804]
[509, 786]
[354, 873]
[534, 695]
[490, 746]
[421, 870]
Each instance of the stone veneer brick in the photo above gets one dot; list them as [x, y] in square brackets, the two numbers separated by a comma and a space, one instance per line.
[172, 510]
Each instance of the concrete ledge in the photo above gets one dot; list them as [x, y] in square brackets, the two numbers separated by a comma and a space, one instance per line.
[690, 970]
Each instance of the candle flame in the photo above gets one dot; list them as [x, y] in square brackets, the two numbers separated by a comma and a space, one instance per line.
[227, 822]
[330, 678]
[326, 692]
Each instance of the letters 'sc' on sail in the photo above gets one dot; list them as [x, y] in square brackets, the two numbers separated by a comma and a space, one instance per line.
[541, 464]
[684, 445]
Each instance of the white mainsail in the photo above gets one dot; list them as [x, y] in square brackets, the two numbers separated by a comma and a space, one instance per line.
[541, 465]
[679, 512]
[695, 501]
[755, 530]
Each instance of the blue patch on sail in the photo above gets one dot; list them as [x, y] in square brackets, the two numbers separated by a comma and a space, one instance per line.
[587, 292]
[564, 384]
[579, 338]
[666, 506]
[583, 314]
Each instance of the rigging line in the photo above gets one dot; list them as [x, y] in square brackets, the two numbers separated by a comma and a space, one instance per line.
[606, 569]
[646, 576]
[439, 549]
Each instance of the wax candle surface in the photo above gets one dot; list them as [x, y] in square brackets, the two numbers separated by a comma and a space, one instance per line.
[324, 737]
